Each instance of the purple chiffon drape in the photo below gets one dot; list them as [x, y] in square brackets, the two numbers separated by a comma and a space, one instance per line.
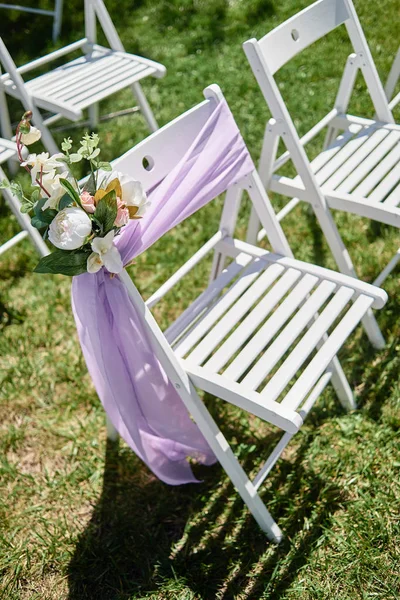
[139, 399]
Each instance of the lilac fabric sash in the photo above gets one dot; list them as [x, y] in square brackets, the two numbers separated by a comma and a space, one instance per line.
[130, 381]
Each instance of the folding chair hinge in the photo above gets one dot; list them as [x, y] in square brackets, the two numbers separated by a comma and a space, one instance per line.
[357, 60]
[276, 127]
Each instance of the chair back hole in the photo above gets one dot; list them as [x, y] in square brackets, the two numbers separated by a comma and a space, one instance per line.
[295, 35]
[148, 163]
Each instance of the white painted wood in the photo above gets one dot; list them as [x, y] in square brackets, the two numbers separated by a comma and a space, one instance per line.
[246, 328]
[389, 268]
[112, 433]
[14, 205]
[347, 158]
[237, 300]
[286, 338]
[184, 270]
[247, 291]
[378, 173]
[393, 78]
[386, 186]
[362, 154]
[394, 197]
[394, 102]
[305, 347]
[302, 30]
[82, 83]
[261, 339]
[318, 364]
[207, 297]
[14, 240]
[367, 165]
[277, 452]
[237, 246]
[205, 422]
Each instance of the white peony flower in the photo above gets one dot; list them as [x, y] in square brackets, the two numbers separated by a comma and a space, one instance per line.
[51, 182]
[42, 163]
[104, 254]
[70, 228]
[30, 138]
[133, 194]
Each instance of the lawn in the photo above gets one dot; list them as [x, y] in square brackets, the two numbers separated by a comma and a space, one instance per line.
[81, 518]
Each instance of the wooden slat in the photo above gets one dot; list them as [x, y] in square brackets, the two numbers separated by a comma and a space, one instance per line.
[307, 344]
[355, 159]
[121, 79]
[288, 335]
[394, 198]
[324, 356]
[232, 317]
[66, 74]
[386, 185]
[70, 79]
[378, 173]
[112, 89]
[207, 297]
[326, 155]
[270, 328]
[252, 321]
[369, 163]
[238, 295]
[344, 154]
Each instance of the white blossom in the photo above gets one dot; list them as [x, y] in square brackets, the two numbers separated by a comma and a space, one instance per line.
[70, 228]
[31, 137]
[105, 254]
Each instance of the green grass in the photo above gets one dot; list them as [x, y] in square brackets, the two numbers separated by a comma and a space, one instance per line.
[81, 519]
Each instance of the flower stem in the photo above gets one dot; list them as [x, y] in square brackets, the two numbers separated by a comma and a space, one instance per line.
[21, 160]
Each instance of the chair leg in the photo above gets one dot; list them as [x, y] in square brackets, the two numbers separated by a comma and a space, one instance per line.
[342, 386]
[112, 433]
[6, 129]
[232, 467]
[145, 107]
[94, 115]
[24, 221]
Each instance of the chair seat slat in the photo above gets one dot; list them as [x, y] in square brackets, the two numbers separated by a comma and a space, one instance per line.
[324, 356]
[288, 335]
[355, 158]
[307, 344]
[235, 313]
[369, 163]
[271, 327]
[206, 298]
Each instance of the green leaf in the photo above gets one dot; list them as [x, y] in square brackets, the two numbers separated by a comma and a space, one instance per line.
[70, 190]
[64, 262]
[106, 211]
[42, 218]
[106, 166]
[74, 158]
[65, 201]
[90, 185]
[66, 144]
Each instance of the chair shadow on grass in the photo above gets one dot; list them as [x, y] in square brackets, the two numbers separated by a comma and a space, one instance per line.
[144, 533]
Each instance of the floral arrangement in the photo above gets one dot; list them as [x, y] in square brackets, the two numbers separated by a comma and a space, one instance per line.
[81, 221]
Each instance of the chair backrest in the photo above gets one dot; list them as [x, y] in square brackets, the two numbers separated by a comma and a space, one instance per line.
[275, 49]
[151, 160]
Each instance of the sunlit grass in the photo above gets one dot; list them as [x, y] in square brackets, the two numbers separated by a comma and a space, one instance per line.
[81, 519]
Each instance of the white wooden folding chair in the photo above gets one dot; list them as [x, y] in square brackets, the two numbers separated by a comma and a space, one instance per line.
[56, 13]
[8, 151]
[358, 170]
[254, 337]
[82, 83]
[392, 82]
